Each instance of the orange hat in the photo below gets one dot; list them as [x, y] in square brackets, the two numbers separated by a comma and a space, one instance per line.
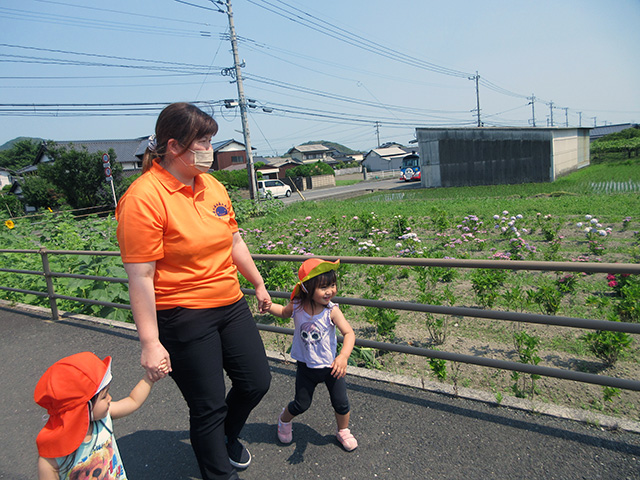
[312, 268]
[65, 390]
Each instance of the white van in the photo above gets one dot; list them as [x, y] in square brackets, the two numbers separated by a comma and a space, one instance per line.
[277, 188]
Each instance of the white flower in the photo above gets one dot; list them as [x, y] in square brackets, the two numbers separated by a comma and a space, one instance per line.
[519, 217]
[594, 221]
[398, 245]
[505, 212]
[579, 224]
[598, 225]
[588, 217]
[496, 217]
[602, 233]
[587, 230]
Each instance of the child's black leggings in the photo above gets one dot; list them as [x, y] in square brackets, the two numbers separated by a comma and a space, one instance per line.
[306, 381]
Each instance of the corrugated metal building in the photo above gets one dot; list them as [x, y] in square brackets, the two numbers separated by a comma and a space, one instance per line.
[455, 157]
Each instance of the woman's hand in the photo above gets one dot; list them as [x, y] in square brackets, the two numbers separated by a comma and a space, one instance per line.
[156, 361]
[264, 299]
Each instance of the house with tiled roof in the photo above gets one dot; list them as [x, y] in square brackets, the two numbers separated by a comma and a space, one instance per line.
[128, 153]
[275, 167]
[229, 155]
[309, 153]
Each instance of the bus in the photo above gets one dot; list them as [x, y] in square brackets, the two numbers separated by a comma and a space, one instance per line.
[410, 169]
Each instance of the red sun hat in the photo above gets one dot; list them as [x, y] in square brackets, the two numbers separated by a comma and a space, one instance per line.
[312, 268]
[65, 390]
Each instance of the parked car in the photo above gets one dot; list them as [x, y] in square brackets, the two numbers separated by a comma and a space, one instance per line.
[277, 188]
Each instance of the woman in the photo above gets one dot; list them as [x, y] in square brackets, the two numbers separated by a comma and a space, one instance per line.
[181, 250]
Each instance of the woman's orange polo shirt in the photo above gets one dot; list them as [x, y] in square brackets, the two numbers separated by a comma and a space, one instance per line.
[189, 234]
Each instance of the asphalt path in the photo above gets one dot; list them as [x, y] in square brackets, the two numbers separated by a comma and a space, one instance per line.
[403, 432]
[390, 184]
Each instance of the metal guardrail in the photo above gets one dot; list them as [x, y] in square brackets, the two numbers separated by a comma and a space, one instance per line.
[633, 328]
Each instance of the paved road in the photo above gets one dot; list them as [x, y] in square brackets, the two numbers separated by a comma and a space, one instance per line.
[403, 432]
[390, 184]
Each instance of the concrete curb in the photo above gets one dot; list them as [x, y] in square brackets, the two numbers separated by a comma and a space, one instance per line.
[584, 416]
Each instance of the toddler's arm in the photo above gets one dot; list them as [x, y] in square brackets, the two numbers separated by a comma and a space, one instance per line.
[48, 469]
[281, 311]
[137, 397]
[339, 365]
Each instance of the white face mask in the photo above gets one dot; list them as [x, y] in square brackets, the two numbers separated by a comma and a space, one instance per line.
[202, 159]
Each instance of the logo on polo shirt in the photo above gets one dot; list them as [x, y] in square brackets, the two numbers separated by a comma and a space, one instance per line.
[220, 210]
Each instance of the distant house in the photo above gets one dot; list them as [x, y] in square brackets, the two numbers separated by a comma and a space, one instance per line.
[386, 158]
[309, 153]
[5, 177]
[276, 167]
[128, 153]
[229, 155]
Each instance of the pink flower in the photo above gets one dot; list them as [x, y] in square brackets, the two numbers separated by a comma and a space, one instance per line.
[611, 276]
[613, 283]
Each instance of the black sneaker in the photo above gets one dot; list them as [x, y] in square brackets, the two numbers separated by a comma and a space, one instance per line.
[239, 456]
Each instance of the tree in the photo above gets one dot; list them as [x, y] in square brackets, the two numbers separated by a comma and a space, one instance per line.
[310, 170]
[79, 175]
[11, 204]
[39, 192]
[20, 155]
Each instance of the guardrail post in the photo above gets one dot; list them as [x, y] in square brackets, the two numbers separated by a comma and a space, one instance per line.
[50, 292]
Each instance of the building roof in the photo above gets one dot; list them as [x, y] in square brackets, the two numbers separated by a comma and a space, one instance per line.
[391, 151]
[316, 147]
[125, 149]
[217, 146]
[598, 132]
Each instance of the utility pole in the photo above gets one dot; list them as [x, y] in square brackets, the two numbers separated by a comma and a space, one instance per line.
[579, 119]
[532, 102]
[378, 132]
[243, 104]
[551, 110]
[566, 116]
[476, 77]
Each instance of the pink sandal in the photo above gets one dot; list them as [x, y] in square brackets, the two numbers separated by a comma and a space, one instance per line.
[347, 440]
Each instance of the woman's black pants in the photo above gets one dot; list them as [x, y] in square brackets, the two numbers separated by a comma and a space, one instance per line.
[201, 343]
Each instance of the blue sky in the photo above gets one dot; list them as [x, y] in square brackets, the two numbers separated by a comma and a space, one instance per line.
[349, 71]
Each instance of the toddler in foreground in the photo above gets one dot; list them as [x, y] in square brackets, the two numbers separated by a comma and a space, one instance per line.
[77, 441]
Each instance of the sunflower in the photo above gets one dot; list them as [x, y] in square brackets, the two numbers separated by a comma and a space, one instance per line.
[10, 224]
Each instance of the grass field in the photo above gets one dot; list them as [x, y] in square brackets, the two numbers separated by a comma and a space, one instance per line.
[478, 222]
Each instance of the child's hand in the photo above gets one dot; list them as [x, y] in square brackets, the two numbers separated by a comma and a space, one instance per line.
[339, 367]
[163, 370]
[164, 367]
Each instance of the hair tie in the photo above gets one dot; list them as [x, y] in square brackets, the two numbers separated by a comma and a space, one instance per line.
[153, 143]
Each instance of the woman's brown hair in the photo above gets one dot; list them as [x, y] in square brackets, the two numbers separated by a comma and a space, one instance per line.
[183, 122]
